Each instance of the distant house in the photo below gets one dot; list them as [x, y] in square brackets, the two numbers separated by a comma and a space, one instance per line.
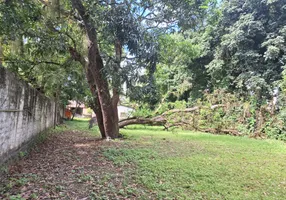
[124, 112]
[76, 107]
[83, 111]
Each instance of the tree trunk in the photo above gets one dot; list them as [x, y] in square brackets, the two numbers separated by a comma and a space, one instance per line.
[96, 67]
[95, 104]
[97, 110]
[162, 120]
[156, 121]
[116, 82]
[74, 111]
[99, 119]
[115, 100]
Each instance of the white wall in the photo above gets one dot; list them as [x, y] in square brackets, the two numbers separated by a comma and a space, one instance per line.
[124, 112]
[24, 113]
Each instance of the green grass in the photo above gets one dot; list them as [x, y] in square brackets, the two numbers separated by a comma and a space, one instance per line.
[80, 124]
[190, 165]
[193, 165]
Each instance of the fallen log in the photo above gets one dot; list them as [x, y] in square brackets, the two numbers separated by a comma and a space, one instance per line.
[161, 120]
[155, 121]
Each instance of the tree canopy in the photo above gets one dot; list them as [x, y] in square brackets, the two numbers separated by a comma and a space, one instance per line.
[151, 52]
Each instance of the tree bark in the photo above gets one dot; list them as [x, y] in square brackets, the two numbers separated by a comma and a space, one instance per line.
[156, 121]
[115, 100]
[96, 67]
[116, 82]
[96, 107]
[162, 120]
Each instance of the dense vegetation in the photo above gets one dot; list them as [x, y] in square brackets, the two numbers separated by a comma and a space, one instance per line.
[160, 55]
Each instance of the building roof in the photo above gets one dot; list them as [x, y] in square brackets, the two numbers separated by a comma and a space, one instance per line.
[73, 104]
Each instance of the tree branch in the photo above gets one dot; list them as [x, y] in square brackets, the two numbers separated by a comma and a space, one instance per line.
[162, 119]
[77, 57]
[34, 62]
[89, 26]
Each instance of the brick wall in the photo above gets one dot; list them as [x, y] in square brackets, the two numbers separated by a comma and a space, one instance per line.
[24, 113]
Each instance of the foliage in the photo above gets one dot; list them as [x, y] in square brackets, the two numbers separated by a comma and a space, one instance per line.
[143, 111]
[173, 55]
[248, 43]
[221, 112]
[247, 117]
[35, 42]
[172, 74]
[38, 39]
[240, 48]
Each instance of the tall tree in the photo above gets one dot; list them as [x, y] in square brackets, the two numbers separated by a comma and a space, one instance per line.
[112, 40]
[249, 47]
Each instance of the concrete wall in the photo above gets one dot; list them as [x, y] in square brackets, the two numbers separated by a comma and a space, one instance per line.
[24, 113]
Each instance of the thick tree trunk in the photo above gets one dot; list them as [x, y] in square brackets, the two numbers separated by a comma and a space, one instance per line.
[115, 100]
[162, 120]
[96, 109]
[95, 104]
[96, 67]
[116, 82]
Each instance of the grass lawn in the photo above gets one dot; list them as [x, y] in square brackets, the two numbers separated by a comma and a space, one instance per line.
[149, 163]
[191, 165]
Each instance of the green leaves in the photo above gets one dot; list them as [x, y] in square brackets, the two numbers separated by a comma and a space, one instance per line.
[17, 16]
[176, 54]
[248, 53]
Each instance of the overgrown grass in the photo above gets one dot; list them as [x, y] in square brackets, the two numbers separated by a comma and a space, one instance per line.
[193, 165]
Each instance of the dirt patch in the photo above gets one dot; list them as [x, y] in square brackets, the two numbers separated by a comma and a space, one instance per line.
[69, 165]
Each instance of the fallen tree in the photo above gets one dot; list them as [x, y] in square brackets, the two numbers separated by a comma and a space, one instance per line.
[154, 121]
[164, 120]
[218, 113]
